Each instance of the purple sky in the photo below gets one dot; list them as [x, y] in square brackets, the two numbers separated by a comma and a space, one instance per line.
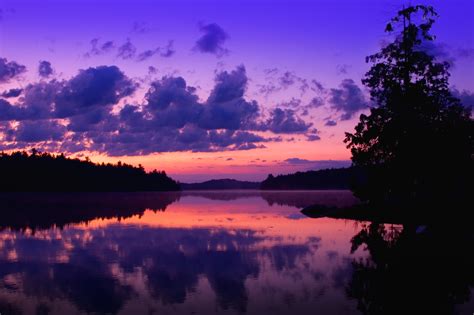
[253, 72]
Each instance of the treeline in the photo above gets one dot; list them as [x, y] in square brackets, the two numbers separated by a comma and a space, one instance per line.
[340, 178]
[23, 171]
[221, 184]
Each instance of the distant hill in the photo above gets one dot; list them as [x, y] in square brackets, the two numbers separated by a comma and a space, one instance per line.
[340, 178]
[47, 172]
[221, 184]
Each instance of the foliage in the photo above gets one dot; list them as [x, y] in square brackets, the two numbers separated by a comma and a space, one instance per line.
[417, 141]
[323, 179]
[47, 172]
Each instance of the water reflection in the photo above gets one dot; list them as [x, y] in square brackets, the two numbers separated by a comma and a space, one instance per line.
[212, 253]
[427, 269]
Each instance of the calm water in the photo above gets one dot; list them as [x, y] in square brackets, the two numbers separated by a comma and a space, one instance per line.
[222, 253]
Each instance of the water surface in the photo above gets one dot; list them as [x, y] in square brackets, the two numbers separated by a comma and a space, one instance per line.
[234, 252]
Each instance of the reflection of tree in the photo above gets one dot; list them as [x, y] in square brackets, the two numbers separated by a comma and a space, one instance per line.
[9, 308]
[301, 199]
[45, 210]
[428, 272]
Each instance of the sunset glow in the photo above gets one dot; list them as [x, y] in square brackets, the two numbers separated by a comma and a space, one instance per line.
[274, 94]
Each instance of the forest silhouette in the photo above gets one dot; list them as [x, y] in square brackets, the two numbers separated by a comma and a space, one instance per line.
[38, 171]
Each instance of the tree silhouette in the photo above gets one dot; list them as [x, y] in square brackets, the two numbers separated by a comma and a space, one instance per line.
[412, 270]
[47, 172]
[416, 144]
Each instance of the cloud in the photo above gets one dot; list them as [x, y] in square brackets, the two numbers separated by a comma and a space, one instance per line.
[127, 50]
[315, 102]
[342, 68]
[140, 28]
[41, 130]
[287, 79]
[147, 54]
[317, 86]
[292, 103]
[11, 93]
[88, 112]
[99, 48]
[165, 52]
[226, 107]
[348, 99]
[7, 111]
[168, 50]
[313, 137]
[213, 39]
[45, 69]
[286, 121]
[92, 87]
[330, 123]
[276, 83]
[10, 70]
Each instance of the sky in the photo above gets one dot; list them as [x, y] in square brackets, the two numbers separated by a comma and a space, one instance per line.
[202, 89]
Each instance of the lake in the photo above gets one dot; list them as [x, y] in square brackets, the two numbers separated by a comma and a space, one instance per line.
[227, 252]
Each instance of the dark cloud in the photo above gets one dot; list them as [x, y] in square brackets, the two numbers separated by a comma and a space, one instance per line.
[226, 107]
[270, 72]
[88, 112]
[173, 119]
[171, 103]
[286, 121]
[213, 39]
[168, 50]
[147, 54]
[152, 70]
[276, 83]
[45, 69]
[292, 103]
[348, 99]
[165, 52]
[127, 50]
[40, 130]
[107, 46]
[11, 93]
[93, 87]
[7, 111]
[99, 48]
[297, 161]
[141, 28]
[287, 79]
[315, 102]
[342, 68]
[10, 70]
[313, 137]
[330, 123]
[317, 86]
